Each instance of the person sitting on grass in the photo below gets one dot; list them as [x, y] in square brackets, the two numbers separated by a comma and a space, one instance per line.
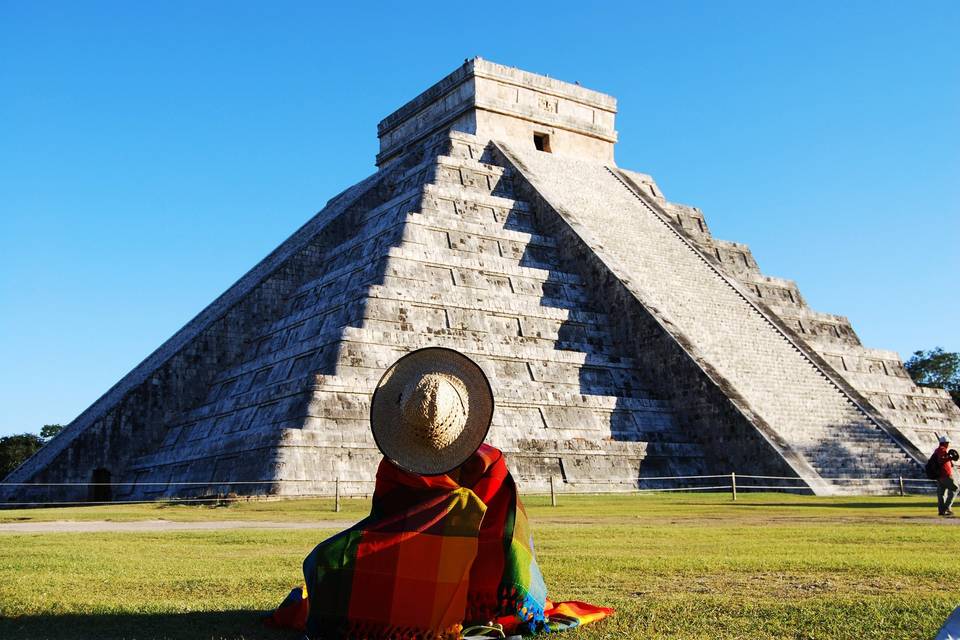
[946, 481]
[446, 552]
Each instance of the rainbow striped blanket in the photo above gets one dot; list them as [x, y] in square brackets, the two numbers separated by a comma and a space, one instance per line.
[438, 558]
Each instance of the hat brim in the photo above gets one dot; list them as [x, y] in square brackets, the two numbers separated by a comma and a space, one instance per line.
[386, 411]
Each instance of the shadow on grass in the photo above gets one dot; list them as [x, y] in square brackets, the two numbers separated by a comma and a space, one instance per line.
[232, 625]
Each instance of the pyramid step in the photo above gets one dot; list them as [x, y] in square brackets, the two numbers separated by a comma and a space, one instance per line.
[482, 262]
[474, 206]
[469, 246]
[497, 329]
[313, 354]
[465, 145]
[319, 315]
[450, 222]
[382, 228]
[556, 379]
[369, 351]
[519, 396]
[332, 281]
[566, 414]
[303, 324]
[454, 280]
[503, 205]
[472, 175]
[507, 302]
[506, 346]
[282, 395]
[474, 164]
[527, 292]
[481, 324]
[372, 233]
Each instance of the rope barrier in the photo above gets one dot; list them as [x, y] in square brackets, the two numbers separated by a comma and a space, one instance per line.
[744, 475]
[642, 478]
[722, 486]
[217, 492]
[771, 486]
[611, 481]
[834, 478]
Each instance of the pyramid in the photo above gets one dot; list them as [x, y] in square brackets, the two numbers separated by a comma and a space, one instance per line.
[623, 342]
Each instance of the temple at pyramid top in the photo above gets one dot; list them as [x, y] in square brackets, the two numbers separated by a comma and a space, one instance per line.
[496, 102]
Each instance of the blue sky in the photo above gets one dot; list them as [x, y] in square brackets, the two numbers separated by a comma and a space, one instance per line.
[151, 153]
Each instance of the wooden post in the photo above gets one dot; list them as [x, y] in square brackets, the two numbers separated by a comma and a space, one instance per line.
[902, 493]
[733, 485]
[336, 495]
[553, 493]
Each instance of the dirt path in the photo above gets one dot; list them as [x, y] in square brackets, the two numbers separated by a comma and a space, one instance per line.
[98, 526]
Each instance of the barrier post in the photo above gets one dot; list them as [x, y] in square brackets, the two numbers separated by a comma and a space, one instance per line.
[901, 487]
[553, 493]
[733, 485]
[336, 495]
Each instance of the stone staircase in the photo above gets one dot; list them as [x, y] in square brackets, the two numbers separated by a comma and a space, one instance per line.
[921, 414]
[809, 414]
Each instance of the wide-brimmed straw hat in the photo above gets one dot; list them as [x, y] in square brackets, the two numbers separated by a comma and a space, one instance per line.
[431, 410]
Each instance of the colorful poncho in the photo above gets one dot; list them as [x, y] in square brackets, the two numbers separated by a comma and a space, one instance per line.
[437, 556]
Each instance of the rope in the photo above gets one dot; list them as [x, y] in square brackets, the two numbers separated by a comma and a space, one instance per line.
[612, 481]
[771, 486]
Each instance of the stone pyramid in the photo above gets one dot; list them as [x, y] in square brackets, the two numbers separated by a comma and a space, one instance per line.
[623, 342]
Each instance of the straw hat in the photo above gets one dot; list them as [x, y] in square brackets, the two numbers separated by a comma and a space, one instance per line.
[431, 410]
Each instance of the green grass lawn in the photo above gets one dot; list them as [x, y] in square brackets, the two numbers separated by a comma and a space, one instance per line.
[674, 566]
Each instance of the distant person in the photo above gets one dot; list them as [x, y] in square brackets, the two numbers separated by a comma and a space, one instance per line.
[946, 478]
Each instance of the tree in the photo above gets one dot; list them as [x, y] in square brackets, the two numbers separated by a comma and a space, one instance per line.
[936, 368]
[15, 449]
[50, 430]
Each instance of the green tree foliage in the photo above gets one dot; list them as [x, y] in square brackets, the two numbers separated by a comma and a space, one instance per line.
[936, 368]
[50, 430]
[15, 449]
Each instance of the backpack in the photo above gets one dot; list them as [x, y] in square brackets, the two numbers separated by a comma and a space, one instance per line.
[932, 468]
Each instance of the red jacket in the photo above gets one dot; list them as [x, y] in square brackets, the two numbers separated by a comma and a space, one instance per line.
[944, 462]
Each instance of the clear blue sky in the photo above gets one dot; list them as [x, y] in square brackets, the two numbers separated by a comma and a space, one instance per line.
[150, 153]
